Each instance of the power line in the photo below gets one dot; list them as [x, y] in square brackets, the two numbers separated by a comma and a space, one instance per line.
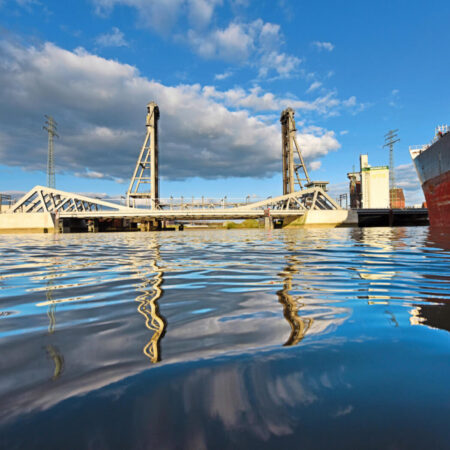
[50, 127]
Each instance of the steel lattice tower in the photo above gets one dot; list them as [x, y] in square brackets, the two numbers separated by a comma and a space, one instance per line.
[294, 169]
[146, 171]
[50, 127]
[390, 139]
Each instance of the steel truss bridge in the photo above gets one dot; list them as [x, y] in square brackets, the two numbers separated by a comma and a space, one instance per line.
[144, 186]
[69, 205]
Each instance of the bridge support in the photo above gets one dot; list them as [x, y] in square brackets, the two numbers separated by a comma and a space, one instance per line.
[294, 169]
[146, 171]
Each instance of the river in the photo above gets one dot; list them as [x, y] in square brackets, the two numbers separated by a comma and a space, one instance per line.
[310, 338]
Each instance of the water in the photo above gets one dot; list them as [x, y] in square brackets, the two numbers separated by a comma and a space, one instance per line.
[312, 339]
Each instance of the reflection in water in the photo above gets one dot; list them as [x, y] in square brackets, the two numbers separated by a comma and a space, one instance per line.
[58, 360]
[148, 307]
[51, 306]
[436, 314]
[291, 305]
[51, 315]
[53, 351]
[225, 379]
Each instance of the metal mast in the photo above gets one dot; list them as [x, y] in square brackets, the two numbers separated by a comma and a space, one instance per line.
[390, 139]
[294, 170]
[50, 127]
[146, 171]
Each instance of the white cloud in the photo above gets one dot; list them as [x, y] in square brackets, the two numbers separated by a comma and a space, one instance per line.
[315, 85]
[223, 76]
[315, 165]
[393, 99]
[162, 16]
[257, 100]
[285, 65]
[328, 46]
[343, 132]
[407, 179]
[256, 43]
[351, 101]
[100, 107]
[114, 39]
[230, 44]
[201, 11]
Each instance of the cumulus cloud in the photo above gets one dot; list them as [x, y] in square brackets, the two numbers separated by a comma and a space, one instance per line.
[100, 107]
[407, 179]
[114, 39]
[328, 46]
[257, 100]
[257, 43]
[230, 44]
[315, 165]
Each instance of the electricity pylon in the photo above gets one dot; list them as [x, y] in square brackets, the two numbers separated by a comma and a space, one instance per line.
[50, 126]
[390, 139]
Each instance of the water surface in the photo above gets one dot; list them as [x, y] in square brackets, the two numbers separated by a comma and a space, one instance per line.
[317, 338]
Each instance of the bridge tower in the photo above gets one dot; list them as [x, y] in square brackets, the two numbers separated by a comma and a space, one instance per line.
[294, 169]
[146, 171]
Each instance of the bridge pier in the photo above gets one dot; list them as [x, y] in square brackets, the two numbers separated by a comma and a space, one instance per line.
[150, 225]
[92, 225]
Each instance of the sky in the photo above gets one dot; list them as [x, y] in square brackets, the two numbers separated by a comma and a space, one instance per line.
[221, 72]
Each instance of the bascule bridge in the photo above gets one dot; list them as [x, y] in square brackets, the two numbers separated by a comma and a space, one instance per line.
[303, 201]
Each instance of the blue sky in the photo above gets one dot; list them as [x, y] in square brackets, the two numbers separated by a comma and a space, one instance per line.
[221, 72]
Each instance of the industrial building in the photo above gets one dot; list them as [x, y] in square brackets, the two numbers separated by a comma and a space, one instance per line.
[369, 188]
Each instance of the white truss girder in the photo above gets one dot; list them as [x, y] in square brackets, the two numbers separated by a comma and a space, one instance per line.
[44, 199]
[314, 198]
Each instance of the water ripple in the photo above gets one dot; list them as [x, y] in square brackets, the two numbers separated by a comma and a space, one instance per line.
[80, 312]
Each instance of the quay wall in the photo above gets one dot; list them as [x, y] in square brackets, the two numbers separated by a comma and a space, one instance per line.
[333, 218]
[27, 223]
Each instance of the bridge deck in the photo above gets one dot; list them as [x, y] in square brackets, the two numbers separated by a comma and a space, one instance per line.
[187, 214]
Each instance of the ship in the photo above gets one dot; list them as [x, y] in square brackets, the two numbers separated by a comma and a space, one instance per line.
[432, 164]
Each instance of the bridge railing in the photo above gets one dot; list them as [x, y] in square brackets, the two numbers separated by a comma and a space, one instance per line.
[181, 203]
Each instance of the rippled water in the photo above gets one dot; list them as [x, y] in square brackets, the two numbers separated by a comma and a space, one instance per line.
[317, 338]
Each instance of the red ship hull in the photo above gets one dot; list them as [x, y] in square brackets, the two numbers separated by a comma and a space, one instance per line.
[437, 194]
[433, 168]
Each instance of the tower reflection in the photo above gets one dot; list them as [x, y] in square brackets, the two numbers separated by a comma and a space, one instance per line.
[291, 304]
[53, 351]
[148, 305]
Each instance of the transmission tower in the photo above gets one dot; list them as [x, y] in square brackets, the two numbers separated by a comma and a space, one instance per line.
[390, 139]
[146, 171]
[50, 127]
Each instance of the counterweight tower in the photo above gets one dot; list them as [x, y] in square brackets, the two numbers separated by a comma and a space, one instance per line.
[294, 169]
[50, 127]
[146, 172]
